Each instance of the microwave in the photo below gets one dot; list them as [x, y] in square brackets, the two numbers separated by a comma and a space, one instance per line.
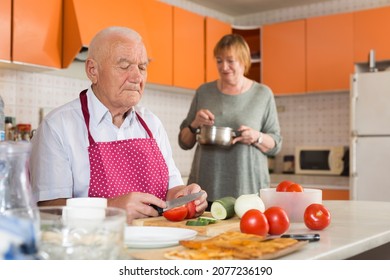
[322, 160]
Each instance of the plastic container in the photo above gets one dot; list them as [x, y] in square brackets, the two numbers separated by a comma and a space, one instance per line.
[294, 203]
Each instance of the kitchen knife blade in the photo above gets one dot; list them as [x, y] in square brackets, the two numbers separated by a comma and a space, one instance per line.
[178, 202]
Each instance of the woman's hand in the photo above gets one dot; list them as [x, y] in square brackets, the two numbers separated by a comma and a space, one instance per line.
[248, 135]
[203, 117]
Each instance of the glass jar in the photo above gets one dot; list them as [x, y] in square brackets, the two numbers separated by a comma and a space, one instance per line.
[15, 189]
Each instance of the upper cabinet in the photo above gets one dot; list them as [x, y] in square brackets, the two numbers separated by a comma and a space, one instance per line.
[215, 30]
[158, 19]
[5, 30]
[284, 57]
[37, 32]
[329, 52]
[188, 49]
[371, 31]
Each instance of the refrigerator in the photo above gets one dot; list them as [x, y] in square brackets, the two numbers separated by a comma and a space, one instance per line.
[370, 136]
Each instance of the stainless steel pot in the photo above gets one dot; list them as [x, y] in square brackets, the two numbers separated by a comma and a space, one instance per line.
[213, 135]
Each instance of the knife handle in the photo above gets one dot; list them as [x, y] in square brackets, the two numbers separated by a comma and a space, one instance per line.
[310, 237]
[159, 209]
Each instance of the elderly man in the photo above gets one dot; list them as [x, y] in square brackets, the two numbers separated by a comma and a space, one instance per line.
[102, 144]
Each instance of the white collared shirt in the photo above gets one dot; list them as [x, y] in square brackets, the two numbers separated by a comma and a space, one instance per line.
[59, 161]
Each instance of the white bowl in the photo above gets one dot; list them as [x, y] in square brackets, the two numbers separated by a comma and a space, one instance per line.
[294, 203]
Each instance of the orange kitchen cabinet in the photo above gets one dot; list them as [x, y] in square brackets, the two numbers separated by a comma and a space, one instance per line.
[371, 31]
[83, 19]
[284, 57]
[332, 194]
[214, 31]
[158, 19]
[329, 52]
[37, 32]
[188, 49]
[5, 30]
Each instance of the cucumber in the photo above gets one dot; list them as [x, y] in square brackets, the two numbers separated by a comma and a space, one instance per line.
[208, 220]
[223, 208]
[197, 223]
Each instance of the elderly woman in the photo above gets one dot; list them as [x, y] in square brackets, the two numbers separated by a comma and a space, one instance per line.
[244, 105]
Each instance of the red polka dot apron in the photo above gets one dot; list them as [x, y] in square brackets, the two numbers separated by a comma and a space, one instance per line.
[120, 167]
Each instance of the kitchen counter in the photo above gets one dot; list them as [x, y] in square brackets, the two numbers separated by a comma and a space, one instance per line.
[358, 230]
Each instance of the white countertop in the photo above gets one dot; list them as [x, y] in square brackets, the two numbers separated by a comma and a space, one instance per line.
[356, 227]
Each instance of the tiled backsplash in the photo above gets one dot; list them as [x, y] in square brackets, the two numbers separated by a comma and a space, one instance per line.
[312, 119]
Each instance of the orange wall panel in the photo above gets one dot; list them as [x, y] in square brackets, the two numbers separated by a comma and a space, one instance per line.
[371, 31]
[283, 57]
[329, 52]
[188, 49]
[5, 30]
[37, 32]
[215, 29]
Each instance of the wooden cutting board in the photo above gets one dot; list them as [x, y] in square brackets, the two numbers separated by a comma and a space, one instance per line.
[232, 224]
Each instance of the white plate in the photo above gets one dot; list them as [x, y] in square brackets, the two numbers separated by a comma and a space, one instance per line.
[156, 237]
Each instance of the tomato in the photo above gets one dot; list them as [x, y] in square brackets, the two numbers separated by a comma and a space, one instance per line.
[277, 219]
[316, 216]
[283, 186]
[294, 188]
[176, 214]
[191, 210]
[254, 222]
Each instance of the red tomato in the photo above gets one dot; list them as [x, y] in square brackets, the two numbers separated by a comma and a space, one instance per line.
[283, 186]
[176, 214]
[254, 222]
[294, 188]
[316, 216]
[277, 219]
[191, 210]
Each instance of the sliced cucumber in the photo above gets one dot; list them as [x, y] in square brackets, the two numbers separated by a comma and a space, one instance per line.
[197, 223]
[208, 219]
[223, 208]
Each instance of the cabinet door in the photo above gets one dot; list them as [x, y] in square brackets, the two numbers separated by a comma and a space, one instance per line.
[283, 59]
[37, 32]
[371, 31]
[158, 19]
[83, 19]
[215, 30]
[5, 30]
[188, 49]
[329, 52]
[332, 194]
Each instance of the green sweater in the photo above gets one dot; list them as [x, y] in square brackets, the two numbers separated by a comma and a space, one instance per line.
[239, 169]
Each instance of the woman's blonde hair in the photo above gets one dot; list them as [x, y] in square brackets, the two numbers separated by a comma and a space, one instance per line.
[237, 44]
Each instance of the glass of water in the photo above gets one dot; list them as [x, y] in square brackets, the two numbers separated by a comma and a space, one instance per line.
[81, 233]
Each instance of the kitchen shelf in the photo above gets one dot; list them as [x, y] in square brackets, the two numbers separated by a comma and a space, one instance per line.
[252, 36]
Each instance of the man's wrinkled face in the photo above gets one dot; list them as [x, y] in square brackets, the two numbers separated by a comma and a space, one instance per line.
[122, 74]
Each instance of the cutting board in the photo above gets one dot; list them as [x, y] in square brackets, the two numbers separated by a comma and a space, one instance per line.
[232, 224]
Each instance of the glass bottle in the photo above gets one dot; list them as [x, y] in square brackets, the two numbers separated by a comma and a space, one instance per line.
[15, 189]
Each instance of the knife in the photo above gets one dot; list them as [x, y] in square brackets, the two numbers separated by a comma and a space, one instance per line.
[178, 202]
